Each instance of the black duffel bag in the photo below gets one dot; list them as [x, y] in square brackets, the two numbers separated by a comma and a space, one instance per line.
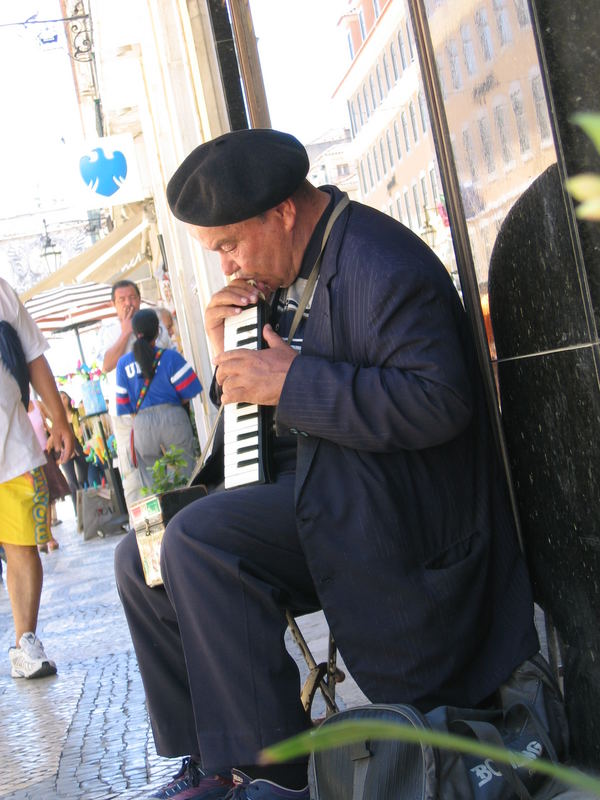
[528, 718]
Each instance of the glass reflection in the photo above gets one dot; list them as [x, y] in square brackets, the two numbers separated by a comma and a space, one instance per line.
[392, 144]
[496, 111]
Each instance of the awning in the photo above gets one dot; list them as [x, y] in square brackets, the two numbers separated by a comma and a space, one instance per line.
[71, 307]
[110, 259]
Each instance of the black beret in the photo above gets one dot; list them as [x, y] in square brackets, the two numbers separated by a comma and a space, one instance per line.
[237, 176]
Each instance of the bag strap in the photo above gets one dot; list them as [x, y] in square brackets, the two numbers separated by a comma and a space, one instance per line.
[486, 732]
[200, 463]
[148, 381]
[531, 716]
[314, 273]
[360, 753]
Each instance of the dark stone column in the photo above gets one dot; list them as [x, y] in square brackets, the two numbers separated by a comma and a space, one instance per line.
[550, 395]
[569, 41]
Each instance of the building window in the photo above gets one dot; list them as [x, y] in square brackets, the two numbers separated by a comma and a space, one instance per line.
[360, 110]
[397, 139]
[395, 68]
[352, 115]
[502, 22]
[370, 169]
[486, 144]
[501, 127]
[485, 34]
[361, 24]
[383, 159]
[434, 187]
[441, 77]
[379, 82]
[522, 13]
[366, 101]
[541, 109]
[350, 47]
[376, 162]
[468, 49]
[516, 99]
[399, 208]
[415, 192]
[411, 41]
[424, 191]
[405, 131]
[402, 50]
[363, 178]
[413, 121]
[469, 153]
[388, 139]
[455, 74]
[372, 88]
[407, 209]
[423, 111]
[376, 8]
[386, 72]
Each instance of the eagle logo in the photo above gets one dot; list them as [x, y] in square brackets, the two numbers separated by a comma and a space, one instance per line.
[101, 173]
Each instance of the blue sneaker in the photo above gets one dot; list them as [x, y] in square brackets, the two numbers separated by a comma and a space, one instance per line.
[192, 783]
[244, 788]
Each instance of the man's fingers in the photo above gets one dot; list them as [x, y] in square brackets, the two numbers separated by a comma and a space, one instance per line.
[273, 339]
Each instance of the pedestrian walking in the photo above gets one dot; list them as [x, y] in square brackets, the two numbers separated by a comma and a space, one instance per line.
[24, 494]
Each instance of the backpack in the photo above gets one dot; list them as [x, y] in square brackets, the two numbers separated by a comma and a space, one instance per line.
[529, 718]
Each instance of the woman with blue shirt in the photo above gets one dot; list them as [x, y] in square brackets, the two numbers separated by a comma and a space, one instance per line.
[153, 384]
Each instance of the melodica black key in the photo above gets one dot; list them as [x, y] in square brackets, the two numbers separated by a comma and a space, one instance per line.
[246, 426]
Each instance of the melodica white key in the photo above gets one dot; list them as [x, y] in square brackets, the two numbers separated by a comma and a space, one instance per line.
[246, 425]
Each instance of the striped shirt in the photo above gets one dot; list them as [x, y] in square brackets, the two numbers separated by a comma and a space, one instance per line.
[173, 382]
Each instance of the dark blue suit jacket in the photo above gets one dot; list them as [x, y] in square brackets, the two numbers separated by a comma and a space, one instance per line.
[402, 507]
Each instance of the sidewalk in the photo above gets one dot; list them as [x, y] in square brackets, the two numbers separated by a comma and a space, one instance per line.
[84, 733]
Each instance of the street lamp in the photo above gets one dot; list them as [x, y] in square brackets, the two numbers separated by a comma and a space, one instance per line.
[50, 251]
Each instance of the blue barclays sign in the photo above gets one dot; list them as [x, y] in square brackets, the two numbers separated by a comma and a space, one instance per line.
[104, 172]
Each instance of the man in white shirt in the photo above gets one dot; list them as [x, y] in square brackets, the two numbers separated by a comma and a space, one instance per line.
[23, 491]
[117, 338]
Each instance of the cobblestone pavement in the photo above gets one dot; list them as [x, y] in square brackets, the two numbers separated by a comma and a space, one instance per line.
[84, 733]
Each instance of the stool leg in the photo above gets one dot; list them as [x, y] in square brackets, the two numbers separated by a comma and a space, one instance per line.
[322, 676]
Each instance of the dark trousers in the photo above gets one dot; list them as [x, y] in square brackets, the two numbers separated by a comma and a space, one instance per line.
[219, 681]
[75, 471]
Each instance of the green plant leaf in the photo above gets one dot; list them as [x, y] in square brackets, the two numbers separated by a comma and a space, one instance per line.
[169, 471]
[589, 210]
[358, 730]
[589, 122]
[585, 186]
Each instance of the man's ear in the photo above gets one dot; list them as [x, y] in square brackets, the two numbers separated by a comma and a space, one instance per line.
[287, 212]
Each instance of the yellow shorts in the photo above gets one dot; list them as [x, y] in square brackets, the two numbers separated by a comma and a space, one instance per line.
[24, 515]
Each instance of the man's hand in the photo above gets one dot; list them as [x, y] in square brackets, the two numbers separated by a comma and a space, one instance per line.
[61, 440]
[255, 376]
[115, 351]
[228, 302]
[126, 326]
